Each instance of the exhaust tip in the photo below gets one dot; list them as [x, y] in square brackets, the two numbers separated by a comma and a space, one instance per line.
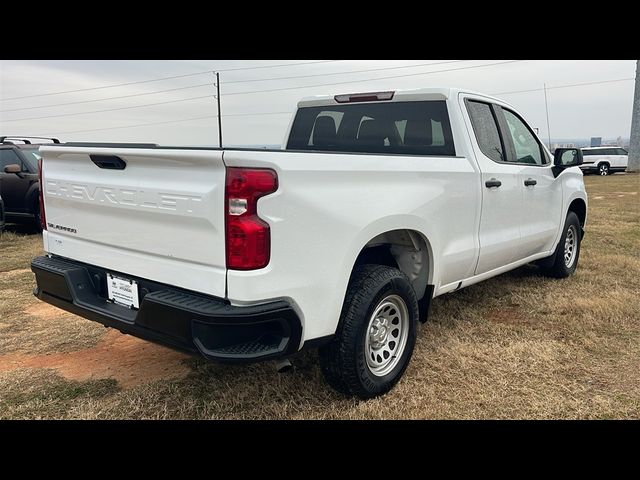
[284, 365]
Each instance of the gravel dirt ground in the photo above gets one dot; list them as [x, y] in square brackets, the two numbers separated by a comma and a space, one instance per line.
[516, 346]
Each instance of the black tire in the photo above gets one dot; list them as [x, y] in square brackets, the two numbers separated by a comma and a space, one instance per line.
[37, 220]
[604, 170]
[559, 267]
[343, 361]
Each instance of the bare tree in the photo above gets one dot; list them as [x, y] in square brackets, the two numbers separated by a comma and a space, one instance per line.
[634, 143]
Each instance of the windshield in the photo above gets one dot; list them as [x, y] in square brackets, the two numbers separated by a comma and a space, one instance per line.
[32, 156]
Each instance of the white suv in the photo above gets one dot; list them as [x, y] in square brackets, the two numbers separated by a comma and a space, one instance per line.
[604, 160]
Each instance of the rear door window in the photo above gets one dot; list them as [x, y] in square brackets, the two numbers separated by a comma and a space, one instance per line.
[486, 129]
[412, 128]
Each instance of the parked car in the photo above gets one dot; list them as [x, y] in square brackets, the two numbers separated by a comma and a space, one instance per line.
[19, 173]
[378, 203]
[604, 160]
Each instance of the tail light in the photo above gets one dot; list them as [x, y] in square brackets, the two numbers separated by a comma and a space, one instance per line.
[43, 217]
[248, 238]
[364, 97]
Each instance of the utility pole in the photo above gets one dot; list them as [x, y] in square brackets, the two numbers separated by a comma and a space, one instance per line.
[634, 142]
[219, 116]
[546, 106]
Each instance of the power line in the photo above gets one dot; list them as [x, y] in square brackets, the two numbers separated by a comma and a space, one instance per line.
[274, 66]
[164, 78]
[288, 112]
[371, 79]
[107, 86]
[343, 73]
[564, 86]
[106, 109]
[171, 121]
[262, 91]
[109, 98]
[226, 83]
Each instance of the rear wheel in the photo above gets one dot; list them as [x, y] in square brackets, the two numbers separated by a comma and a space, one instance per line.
[603, 169]
[376, 334]
[568, 249]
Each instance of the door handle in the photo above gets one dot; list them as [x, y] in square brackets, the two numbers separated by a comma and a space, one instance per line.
[530, 182]
[492, 183]
[110, 162]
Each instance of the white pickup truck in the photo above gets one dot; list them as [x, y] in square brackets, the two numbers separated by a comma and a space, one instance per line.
[377, 203]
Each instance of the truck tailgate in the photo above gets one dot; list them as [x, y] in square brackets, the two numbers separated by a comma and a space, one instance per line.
[160, 217]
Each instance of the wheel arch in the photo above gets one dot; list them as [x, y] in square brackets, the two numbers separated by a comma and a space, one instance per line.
[579, 207]
[32, 197]
[408, 250]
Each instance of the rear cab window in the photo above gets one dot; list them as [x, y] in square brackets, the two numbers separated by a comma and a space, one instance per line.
[411, 128]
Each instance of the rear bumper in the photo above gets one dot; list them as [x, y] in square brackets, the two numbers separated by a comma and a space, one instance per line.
[170, 316]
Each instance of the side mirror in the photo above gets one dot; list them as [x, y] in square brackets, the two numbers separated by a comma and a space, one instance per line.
[13, 168]
[567, 157]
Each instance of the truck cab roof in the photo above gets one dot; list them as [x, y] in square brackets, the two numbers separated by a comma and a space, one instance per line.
[401, 95]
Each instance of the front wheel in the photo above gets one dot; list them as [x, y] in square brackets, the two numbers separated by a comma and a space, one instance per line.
[376, 333]
[568, 249]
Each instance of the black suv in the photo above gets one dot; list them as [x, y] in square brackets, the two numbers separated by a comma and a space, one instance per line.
[19, 178]
[1, 209]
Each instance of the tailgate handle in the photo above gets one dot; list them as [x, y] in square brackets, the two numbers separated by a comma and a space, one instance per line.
[110, 162]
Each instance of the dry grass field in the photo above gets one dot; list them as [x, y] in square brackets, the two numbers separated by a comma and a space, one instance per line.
[517, 346]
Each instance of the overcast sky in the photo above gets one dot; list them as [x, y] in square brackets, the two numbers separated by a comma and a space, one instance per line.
[574, 112]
